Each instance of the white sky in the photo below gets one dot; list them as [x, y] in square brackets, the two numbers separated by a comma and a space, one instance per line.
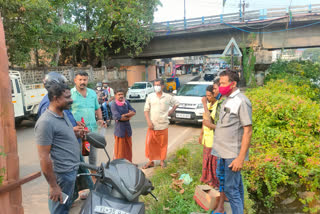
[174, 9]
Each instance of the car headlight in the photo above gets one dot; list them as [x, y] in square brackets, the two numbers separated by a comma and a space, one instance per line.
[199, 106]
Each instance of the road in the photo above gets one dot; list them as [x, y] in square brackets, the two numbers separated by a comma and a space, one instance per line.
[35, 197]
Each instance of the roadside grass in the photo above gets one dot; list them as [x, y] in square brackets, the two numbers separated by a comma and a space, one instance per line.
[187, 159]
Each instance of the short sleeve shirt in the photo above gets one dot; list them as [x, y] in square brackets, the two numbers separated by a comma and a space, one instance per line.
[159, 109]
[235, 113]
[122, 128]
[56, 131]
[85, 107]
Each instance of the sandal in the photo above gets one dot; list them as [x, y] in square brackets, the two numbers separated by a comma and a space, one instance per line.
[148, 165]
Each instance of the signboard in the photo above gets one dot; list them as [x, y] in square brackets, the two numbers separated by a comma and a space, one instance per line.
[232, 45]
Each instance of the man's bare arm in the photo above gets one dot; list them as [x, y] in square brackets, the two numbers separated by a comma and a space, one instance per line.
[149, 122]
[173, 109]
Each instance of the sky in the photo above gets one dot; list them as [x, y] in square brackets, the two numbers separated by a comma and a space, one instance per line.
[174, 9]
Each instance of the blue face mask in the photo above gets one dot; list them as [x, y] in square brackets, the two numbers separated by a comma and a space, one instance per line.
[218, 96]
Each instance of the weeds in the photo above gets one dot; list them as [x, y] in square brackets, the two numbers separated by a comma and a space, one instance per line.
[186, 160]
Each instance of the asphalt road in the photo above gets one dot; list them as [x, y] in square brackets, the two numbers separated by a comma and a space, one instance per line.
[35, 199]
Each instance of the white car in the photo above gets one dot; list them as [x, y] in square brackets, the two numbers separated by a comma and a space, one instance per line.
[190, 109]
[139, 91]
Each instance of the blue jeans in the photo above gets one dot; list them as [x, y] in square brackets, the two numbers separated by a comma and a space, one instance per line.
[104, 108]
[66, 181]
[82, 182]
[231, 184]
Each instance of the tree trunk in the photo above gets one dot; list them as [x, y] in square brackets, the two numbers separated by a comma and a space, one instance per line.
[36, 54]
[57, 55]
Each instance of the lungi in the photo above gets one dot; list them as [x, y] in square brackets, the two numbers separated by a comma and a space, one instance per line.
[123, 148]
[156, 144]
[209, 168]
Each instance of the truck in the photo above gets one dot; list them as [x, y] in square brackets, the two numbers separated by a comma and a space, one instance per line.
[25, 97]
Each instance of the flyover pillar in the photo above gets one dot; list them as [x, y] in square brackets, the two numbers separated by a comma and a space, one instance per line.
[263, 61]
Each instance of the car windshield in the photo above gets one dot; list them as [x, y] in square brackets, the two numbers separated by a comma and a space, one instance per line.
[193, 90]
[139, 86]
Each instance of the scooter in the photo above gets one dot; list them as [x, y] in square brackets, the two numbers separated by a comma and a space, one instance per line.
[118, 187]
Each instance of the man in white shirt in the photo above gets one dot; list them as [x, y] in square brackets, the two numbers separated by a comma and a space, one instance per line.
[156, 111]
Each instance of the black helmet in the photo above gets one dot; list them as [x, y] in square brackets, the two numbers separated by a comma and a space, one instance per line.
[54, 77]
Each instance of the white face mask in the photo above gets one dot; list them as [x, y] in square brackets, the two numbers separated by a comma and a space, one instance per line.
[157, 88]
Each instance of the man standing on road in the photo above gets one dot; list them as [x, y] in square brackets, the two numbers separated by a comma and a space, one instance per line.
[58, 148]
[232, 140]
[83, 182]
[86, 105]
[156, 111]
[122, 112]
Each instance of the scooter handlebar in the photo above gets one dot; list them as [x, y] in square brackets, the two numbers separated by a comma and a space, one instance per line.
[89, 166]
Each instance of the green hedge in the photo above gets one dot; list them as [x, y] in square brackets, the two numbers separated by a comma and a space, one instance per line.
[284, 157]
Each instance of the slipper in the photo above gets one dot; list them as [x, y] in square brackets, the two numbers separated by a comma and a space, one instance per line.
[148, 165]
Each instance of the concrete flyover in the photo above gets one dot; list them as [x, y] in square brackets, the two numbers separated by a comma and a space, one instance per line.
[274, 29]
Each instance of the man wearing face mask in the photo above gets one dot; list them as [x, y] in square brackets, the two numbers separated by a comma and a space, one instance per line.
[232, 140]
[156, 111]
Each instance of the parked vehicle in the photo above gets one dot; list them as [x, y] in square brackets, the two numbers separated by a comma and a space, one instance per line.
[139, 91]
[210, 75]
[25, 98]
[190, 109]
[118, 187]
[172, 84]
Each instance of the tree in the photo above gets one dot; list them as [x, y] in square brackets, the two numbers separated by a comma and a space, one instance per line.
[32, 26]
[108, 27]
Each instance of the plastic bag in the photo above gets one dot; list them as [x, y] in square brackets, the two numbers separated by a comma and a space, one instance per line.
[186, 179]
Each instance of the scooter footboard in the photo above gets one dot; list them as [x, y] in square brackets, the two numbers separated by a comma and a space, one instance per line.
[96, 203]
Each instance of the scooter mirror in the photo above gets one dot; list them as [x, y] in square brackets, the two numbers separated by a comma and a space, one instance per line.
[96, 140]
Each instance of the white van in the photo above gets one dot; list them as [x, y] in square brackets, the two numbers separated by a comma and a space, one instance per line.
[190, 109]
[25, 98]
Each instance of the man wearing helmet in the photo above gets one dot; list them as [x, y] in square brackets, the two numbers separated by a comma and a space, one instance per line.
[53, 78]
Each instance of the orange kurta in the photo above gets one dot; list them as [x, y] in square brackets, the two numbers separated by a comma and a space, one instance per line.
[123, 148]
[156, 144]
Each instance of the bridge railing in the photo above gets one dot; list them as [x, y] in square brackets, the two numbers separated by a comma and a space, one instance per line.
[249, 16]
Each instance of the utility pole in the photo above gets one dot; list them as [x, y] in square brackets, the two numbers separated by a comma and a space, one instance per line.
[243, 8]
[240, 12]
[184, 17]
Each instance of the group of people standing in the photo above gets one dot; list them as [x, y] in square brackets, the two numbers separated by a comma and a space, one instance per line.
[226, 135]
[67, 115]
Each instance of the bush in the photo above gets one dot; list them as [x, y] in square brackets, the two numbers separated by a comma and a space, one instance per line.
[284, 157]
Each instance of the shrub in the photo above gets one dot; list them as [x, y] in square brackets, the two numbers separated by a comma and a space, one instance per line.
[284, 156]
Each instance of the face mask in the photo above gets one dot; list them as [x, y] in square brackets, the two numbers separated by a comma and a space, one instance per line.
[218, 96]
[120, 103]
[225, 90]
[157, 88]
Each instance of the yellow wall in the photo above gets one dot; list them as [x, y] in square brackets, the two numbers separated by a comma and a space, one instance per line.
[137, 73]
